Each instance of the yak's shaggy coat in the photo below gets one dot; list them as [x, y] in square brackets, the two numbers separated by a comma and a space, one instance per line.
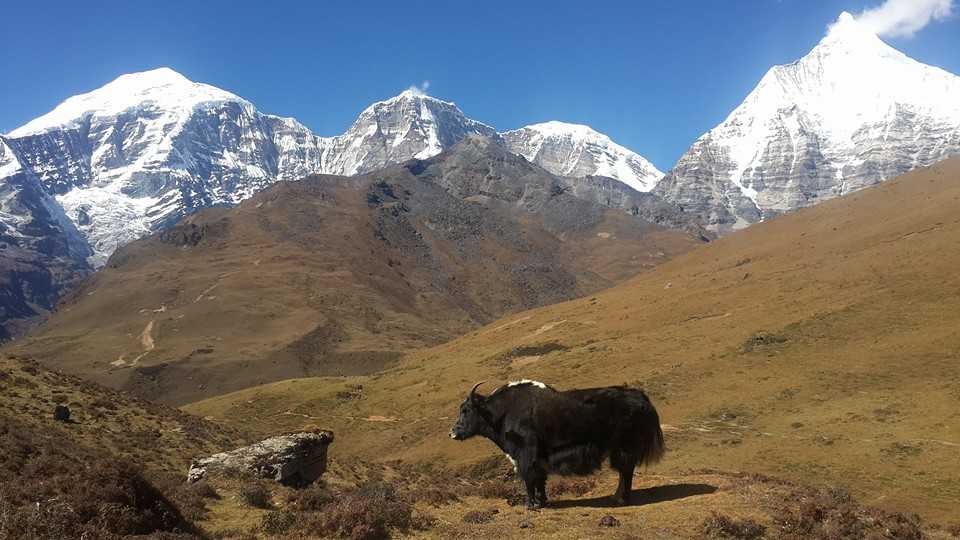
[571, 432]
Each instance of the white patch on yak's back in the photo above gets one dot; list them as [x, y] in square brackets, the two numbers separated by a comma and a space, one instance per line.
[538, 384]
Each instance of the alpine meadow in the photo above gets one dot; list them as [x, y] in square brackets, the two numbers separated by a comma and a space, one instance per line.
[634, 283]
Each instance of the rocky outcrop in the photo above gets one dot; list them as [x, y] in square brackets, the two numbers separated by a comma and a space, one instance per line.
[296, 459]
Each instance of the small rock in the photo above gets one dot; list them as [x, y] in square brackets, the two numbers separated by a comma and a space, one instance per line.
[609, 521]
[525, 524]
[61, 413]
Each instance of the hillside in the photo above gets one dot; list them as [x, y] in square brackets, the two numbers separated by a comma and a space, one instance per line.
[338, 276]
[116, 467]
[821, 346]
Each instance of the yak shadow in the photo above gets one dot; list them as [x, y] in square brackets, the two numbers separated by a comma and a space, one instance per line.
[641, 497]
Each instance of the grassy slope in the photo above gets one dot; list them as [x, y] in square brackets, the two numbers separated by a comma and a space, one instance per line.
[330, 276]
[155, 437]
[821, 346]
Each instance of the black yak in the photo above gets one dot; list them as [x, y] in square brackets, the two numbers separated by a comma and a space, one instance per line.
[543, 430]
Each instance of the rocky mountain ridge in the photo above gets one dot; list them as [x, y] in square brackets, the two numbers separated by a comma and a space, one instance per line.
[133, 157]
[336, 275]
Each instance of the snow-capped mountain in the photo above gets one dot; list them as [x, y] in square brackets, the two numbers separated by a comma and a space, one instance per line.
[410, 125]
[109, 166]
[150, 147]
[851, 113]
[577, 150]
[142, 151]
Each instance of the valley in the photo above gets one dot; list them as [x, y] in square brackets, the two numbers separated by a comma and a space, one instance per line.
[218, 323]
[340, 276]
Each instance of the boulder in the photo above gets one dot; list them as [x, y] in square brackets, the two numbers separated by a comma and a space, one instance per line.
[296, 459]
[61, 413]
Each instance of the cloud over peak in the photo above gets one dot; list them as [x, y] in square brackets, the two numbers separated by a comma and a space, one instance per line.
[419, 90]
[904, 18]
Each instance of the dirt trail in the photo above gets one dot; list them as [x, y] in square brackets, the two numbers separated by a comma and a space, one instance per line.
[146, 338]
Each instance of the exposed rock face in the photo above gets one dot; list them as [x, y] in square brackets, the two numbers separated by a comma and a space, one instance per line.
[131, 158]
[576, 150]
[334, 275]
[852, 113]
[41, 251]
[148, 148]
[410, 125]
[297, 459]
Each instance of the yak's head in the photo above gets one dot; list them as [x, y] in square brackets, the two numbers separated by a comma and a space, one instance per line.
[474, 416]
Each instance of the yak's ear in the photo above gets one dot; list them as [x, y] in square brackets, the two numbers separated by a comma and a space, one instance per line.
[474, 396]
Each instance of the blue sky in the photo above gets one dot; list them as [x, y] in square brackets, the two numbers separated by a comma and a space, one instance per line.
[654, 75]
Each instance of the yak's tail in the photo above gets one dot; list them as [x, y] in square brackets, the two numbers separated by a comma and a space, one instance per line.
[653, 447]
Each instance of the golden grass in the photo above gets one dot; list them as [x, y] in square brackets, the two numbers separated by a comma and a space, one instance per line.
[821, 346]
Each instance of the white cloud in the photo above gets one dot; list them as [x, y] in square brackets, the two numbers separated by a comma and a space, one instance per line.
[904, 18]
[420, 90]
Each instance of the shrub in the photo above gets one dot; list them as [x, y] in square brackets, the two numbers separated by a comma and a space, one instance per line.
[577, 487]
[312, 498]
[609, 521]
[278, 522]
[433, 495]
[364, 513]
[255, 494]
[721, 526]
[480, 516]
[203, 490]
[507, 490]
[827, 514]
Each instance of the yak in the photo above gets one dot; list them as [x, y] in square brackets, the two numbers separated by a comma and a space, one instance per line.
[543, 430]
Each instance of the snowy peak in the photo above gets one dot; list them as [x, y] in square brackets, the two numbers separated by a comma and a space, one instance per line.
[555, 128]
[411, 124]
[851, 113]
[847, 32]
[161, 88]
[577, 150]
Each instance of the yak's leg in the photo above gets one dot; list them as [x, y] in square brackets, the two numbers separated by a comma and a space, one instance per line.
[541, 491]
[625, 465]
[534, 476]
[535, 479]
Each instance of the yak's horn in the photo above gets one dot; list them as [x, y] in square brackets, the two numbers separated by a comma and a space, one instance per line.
[473, 390]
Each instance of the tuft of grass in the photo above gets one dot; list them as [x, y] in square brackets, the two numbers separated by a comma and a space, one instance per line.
[723, 526]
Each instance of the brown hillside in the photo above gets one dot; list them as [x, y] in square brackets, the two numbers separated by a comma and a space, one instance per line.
[156, 437]
[114, 470]
[821, 346]
[334, 275]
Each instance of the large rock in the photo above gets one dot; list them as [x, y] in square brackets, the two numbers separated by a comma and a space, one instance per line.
[296, 459]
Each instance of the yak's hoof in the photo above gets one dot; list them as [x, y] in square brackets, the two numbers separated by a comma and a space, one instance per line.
[536, 505]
